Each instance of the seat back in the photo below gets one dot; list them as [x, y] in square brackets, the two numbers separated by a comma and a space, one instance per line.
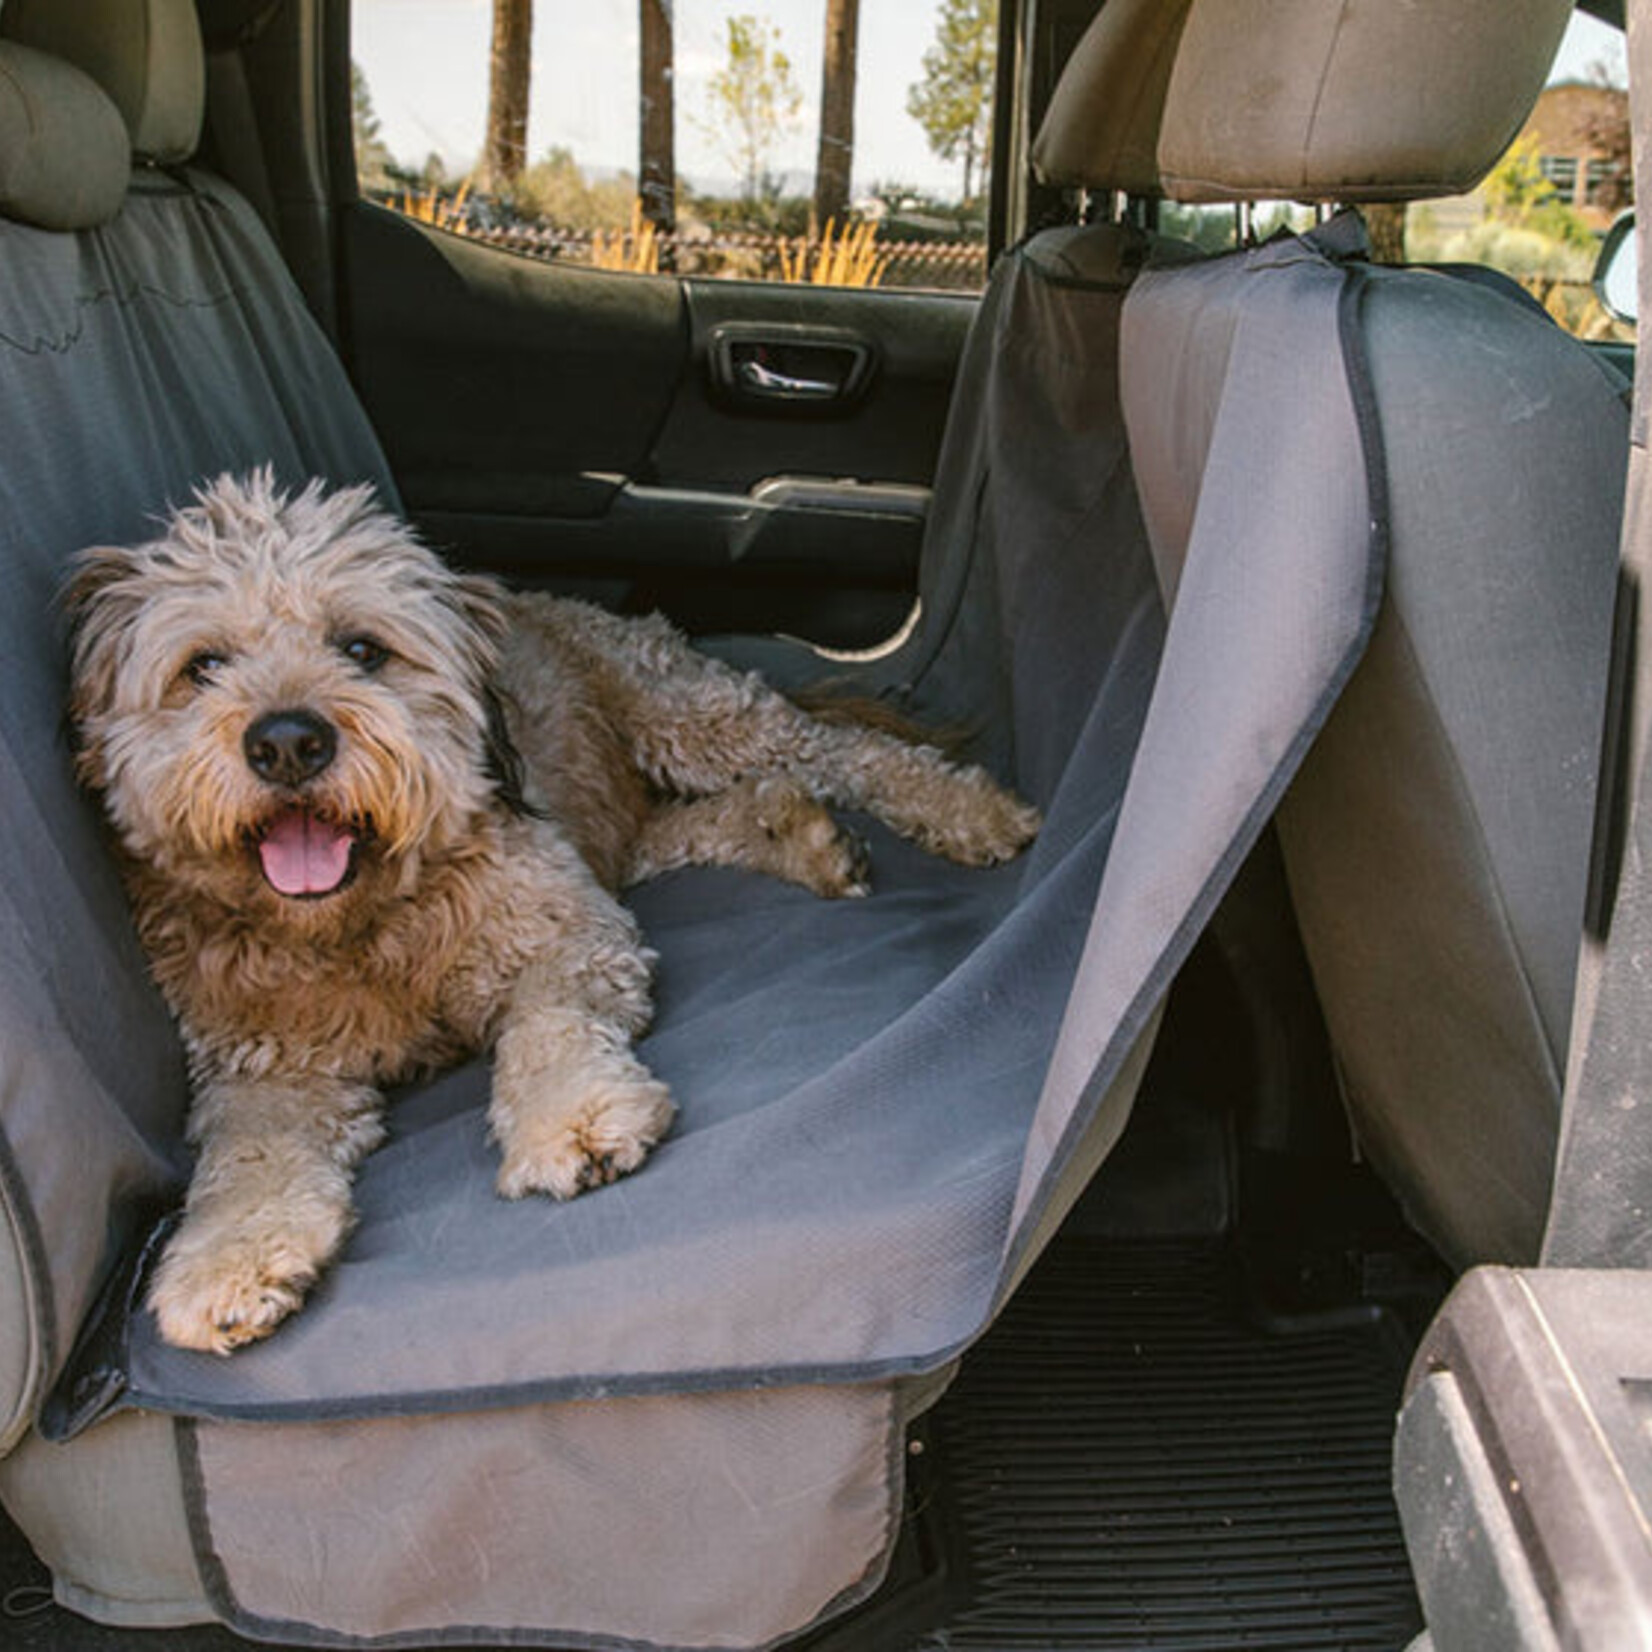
[1437, 837]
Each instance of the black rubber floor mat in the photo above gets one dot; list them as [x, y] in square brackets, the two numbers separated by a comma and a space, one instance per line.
[1132, 1463]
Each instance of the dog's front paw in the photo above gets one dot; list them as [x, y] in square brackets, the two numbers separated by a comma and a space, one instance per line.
[984, 824]
[217, 1297]
[804, 844]
[563, 1150]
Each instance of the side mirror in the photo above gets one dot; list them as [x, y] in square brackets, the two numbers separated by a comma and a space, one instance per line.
[1617, 271]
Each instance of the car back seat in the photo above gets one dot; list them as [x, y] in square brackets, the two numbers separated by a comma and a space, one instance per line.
[490, 1411]
[153, 338]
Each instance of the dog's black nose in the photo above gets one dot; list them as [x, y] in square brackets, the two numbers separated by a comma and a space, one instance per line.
[288, 747]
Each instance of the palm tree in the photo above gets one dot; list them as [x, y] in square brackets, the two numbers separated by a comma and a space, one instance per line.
[505, 147]
[835, 158]
[657, 169]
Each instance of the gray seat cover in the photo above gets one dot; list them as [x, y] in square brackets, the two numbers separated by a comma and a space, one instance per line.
[886, 1104]
[134, 359]
[1437, 839]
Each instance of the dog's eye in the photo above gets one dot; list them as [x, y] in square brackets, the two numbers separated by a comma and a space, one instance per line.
[201, 668]
[367, 652]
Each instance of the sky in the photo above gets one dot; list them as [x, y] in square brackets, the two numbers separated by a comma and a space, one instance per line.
[1588, 42]
[426, 63]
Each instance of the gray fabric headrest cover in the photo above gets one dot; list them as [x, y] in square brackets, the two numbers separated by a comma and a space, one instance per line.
[64, 158]
[1358, 100]
[146, 54]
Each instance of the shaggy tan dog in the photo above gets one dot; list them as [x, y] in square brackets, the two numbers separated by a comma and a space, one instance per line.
[344, 875]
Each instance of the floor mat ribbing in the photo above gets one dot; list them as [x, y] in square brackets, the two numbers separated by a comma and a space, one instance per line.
[1130, 1464]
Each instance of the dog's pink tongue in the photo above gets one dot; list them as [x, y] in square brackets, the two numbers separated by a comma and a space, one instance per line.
[304, 856]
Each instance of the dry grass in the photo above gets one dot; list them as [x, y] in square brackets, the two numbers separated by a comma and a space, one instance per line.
[847, 257]
[432, 207]
[636, 249]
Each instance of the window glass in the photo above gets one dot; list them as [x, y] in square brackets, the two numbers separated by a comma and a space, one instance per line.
[1542, 212]
[839, 141]
[1218, 228]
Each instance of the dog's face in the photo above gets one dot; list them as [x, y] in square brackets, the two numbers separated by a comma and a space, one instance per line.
[283, 700]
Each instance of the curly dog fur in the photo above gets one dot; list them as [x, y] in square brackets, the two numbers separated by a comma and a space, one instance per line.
[372, 815]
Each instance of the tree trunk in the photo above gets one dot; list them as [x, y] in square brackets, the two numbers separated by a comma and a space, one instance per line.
[657, 168]
[1385, 224]
[505, 148]
[835, 158]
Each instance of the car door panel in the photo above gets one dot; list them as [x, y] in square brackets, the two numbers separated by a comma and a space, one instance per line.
[742, 455]
[501, 384]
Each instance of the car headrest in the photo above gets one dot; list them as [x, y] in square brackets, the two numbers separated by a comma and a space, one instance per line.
[145, 54]
[1101, 130]
[1365, 100]
[64, 153]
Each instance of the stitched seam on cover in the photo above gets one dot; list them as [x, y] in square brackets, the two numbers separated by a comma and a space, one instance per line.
[44, 344]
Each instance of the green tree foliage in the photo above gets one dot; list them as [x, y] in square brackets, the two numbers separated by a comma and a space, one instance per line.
[1528, 231]
[374, 162]
[557, 189]
[754, 102]
[1519, 195]
[772, 214]
[953, 102]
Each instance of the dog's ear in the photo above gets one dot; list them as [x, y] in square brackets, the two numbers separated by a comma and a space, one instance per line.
[99, 600]
[480, 601]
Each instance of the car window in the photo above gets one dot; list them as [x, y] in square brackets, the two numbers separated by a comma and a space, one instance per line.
[836, 141]
[1543, 211]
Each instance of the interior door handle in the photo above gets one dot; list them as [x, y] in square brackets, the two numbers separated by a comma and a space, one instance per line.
[765, 381]
[788, 367]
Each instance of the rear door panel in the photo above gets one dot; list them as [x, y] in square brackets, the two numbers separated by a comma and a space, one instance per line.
[742, 455]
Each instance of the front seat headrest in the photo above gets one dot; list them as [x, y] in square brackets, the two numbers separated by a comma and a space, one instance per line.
[145, 54]
[1101, 130]
[1358, 100]
[64, 154]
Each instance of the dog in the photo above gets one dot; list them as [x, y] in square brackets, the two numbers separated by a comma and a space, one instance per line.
[373, 816]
